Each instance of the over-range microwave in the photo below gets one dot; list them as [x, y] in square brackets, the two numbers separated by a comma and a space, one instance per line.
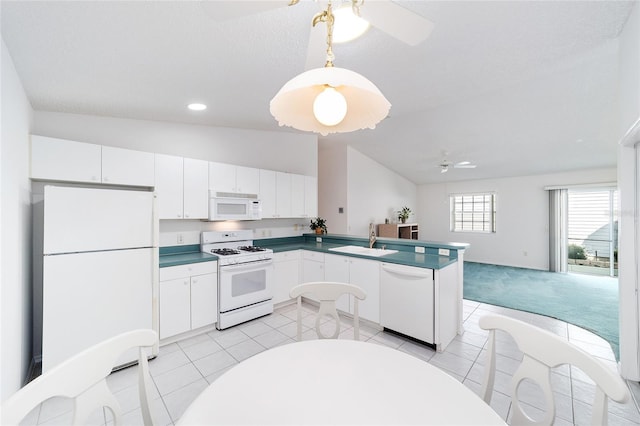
[232, 206]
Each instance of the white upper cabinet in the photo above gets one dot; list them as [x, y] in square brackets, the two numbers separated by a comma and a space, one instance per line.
[182, 187]
[267, 193]
[230, 178]
[283, 194]
[310, 196]
[126, 167]
[297, 196]
[169, 186]
[222, 177]
[65, 160]
[247, 180]
[196, 189]
[60, 159]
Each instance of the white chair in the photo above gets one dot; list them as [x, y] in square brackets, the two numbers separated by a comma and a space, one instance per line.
[542, 351]
[327, 293]
[83, 378]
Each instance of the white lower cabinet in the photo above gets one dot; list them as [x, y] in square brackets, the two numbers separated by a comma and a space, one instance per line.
[188, 297]
[312, 266]
[287, 274]
[361, 272]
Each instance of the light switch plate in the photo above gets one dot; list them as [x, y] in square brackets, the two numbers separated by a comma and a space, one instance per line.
[419, 249]
[443, 252]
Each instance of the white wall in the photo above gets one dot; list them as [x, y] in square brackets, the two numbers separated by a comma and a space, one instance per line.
[332, 188]
[522, 217]
[368, 191]
[628, 163]
[374, 193]
[15, 250]
[283, 151]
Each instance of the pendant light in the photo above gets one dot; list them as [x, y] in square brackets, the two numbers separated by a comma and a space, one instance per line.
[329, 99]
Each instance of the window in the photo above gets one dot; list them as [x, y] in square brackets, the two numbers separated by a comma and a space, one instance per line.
[473, 212]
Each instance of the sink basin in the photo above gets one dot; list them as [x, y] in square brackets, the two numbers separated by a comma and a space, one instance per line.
[365, 251]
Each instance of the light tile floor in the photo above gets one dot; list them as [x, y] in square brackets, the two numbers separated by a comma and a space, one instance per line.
[183, 369]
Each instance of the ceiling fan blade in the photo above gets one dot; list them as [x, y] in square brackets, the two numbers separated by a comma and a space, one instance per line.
[317, 49]
[464, 165]
[223, 11]
[397, 21]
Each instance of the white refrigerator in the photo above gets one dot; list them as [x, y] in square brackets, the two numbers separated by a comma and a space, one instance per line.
[100, 260]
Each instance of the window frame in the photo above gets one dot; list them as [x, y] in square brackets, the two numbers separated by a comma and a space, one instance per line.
[454, 222]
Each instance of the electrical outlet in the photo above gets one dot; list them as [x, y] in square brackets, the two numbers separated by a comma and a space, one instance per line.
[318, 239]
[419, 249]
[443, 252]
[180, 239]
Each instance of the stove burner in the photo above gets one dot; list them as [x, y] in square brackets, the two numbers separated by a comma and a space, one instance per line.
[251, 248]
[225, 251]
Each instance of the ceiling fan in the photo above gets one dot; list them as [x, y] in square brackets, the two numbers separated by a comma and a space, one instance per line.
[445, 165]
[385, 15]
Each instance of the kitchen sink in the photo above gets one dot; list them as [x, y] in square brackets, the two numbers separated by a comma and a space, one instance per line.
[365, 251]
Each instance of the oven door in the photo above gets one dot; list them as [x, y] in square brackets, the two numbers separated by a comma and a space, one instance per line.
[245, 284]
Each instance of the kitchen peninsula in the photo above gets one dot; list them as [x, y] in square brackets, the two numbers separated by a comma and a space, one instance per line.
[413, 287]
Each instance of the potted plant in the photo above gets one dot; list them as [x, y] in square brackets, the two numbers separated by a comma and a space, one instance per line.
[403, 214]
[319, 225]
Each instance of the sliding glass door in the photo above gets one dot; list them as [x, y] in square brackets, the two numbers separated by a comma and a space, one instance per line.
[592, 233]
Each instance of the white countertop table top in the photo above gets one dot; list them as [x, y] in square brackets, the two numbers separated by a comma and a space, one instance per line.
[337, 382]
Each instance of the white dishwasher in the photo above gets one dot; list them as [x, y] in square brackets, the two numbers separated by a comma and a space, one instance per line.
[407, 301]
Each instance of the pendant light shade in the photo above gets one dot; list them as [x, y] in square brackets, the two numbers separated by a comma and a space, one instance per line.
[293, 105]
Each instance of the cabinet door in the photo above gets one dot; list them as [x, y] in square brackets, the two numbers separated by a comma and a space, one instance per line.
[64, 160]
[127, 167]
[283, 194]
[247, 180]
[336, 269]
[267, 193]
[297, 196]
[287, 275]
[175, 307]
[366, 274]
[169, 188]
[204, 300]
[196, 189]
[310, 196]
[222, 177]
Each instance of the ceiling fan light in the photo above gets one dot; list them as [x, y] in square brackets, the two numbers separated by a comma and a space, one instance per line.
[330, 107]
[348, 26]
[293, 105]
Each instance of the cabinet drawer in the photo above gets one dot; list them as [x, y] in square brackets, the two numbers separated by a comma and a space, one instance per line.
[313, 255]
[181, 271]
[286, 255]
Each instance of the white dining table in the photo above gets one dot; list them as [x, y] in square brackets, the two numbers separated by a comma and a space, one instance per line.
[333, 382]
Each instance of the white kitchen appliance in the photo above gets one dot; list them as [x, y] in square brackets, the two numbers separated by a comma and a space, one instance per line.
[100, 262]
[245, 276]
[232, 206]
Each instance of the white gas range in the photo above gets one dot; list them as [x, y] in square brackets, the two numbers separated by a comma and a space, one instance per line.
[245, 276]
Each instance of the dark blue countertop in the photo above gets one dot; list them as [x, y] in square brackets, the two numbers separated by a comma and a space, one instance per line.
[406, 255]
[183, 255]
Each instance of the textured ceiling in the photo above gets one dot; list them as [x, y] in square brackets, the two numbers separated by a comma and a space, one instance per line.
[517, 87]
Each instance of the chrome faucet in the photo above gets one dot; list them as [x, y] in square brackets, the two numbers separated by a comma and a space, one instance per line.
[372, 235]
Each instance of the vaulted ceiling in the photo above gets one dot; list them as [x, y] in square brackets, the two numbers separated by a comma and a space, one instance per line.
[516, 87]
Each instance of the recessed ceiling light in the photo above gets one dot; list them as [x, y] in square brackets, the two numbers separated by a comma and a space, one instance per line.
[348, 26]
[197, 107]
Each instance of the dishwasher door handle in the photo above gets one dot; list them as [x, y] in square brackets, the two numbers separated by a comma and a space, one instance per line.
[407, 273]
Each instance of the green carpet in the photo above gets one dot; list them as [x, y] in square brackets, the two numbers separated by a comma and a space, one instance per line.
[588, 301]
